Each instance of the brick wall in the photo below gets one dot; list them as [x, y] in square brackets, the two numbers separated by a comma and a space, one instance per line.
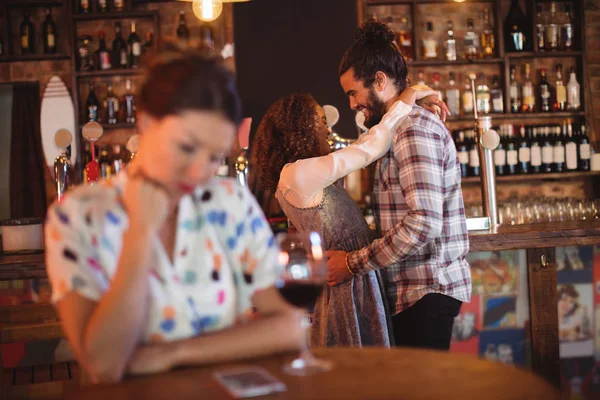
[592, 92]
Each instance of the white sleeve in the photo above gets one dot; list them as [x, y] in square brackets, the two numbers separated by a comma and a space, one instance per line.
[307, 178]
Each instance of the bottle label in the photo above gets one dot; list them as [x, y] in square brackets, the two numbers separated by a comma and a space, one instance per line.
[25, 41]
[123, 57]
[561, 94]
[85, 4]
[51, 40]
[551, 36]
[514, 93]
[571, 150]
[483, 103]
[567, 36]
[548, 155]
[118, 4]
[497, 104]
[500, 157]
[105, 60]
[452, 101]
[584, 151]
[467, 102]
[524, 154]
[559, 154]
[544, 92]
[463, 157]
[136, 49]
[573, 93]
[473, 158]
[430, 46]
[512, 157]
[536, 156]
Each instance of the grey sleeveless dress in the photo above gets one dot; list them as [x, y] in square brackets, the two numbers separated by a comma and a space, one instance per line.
[353, 313]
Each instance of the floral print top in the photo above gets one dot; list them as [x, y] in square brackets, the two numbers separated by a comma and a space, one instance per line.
[224, 252]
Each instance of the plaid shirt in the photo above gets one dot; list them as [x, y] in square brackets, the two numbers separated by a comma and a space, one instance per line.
[420, 212]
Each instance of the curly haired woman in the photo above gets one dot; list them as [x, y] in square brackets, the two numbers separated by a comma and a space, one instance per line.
[295, 163]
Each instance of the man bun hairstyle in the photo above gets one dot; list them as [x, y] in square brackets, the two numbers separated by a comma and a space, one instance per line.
[375, 49]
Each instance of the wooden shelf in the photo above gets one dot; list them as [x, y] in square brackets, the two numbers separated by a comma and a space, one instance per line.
[537, 177]
[544, 54]
[109, 72]
[120, 125]
[527, 116]
[34, 3]
[35, 57]
[444, 63]
[114, 15]
[391, 2]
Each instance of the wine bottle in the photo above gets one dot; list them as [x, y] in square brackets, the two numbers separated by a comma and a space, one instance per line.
[512, 154]
[450, 43]
[515, 28]
[500, 155]
[544, 91]
[571, 149]
[49, 33]
[536, 152]
[552, 29]
[540, 28]
[92, 106]
[524, 152]
[467, 97]
[584, 149]
[560, 103]
[471, 41]
[566, 35]
[497, 97]
[135, 48]
[474, 163]
[27, 35]
[528, 97]
[559, 150]
[463, 154]
[103, 55]
[547, 151]
[429, 44]
[119, 49]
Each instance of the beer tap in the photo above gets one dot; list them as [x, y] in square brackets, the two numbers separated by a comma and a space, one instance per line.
[62, 165]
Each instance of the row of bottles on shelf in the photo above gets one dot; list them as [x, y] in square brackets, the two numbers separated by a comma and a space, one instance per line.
[110, 159]
[122, 55]
[554, 30]
[27, 35]
[535, 149]
[87, 6]
[557, 97]
[524, 97]
[112, 110]
[477, 43]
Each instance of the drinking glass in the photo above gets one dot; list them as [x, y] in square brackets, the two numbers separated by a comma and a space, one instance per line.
[302, 279]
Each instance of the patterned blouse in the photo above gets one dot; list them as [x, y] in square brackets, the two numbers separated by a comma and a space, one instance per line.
[224, 253]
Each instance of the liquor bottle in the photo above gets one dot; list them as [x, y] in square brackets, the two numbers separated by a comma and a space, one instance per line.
[450, 43]
[515, 27]
[528, 97]
[111, 106]
[462, 153]
[148, 43]
[49, 33]
[119, 49]
[573, 92]
[128, 103]
[536, 152]
[560, 103]
[27, 35]
[567, 34]
[135, 48]
[429, 44]
[488, 40]
[102, 5]
[471, 41]
[421, 78]
[453, 96]
[540, 28]
[512, 153]
[559, 150]
[584, 150]
[207, 37]
[436, 85]
[85, 55]
[102, 53]
[84, 6]
[572, 162]
[467, 97]
[500, 155]
[404, 39]
[104, 163]
[547, 151]
[524, 152]
[92, 106]
[182, 31]
[515, 92]
[483, 96]
[544, 92]
[497, 97]
[119, 5]
[474, 164]
[552, 30]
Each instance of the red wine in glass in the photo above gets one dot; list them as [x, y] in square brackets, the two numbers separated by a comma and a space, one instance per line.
[302, 294]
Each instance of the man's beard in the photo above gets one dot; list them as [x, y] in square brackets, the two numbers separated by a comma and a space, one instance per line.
[376, 109]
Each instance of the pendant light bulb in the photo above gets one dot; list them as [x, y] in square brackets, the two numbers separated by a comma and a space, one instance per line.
[207, 10]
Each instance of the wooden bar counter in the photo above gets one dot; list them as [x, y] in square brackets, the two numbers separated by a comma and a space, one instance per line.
[539, 240]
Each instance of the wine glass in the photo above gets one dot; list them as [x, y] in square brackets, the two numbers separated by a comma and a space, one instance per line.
[302, 279]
